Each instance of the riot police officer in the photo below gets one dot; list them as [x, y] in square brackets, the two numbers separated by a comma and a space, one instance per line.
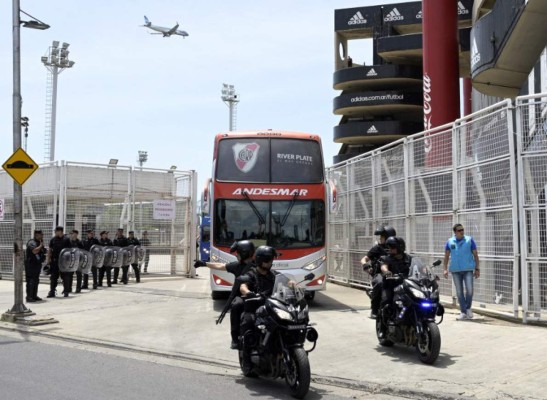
[35, 254]
[88, 242]
[396, 262]
[244, 250]
[121, 241]
[105, 241]
[371, 264]
[75, 242]
[57, 243]
[135, 242]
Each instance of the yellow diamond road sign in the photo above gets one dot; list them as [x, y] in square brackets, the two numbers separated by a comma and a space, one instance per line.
[20, 166]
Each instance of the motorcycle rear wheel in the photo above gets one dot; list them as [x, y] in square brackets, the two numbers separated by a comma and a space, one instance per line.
[299, 378]
[429, 346]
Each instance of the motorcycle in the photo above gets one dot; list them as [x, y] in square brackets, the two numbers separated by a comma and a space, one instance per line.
[273, 345]
[411, 317]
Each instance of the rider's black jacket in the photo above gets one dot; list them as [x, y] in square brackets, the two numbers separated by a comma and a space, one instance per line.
[375, 254]
[259, 283]
[396, 265]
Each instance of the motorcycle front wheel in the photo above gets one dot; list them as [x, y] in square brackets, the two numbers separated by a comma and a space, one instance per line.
[429, 345]
[299, 377]
[381, 333]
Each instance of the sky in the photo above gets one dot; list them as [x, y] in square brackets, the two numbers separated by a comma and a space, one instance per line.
[131, 91]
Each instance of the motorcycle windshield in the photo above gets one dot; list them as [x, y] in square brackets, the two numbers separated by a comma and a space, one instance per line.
[419, 270]
[287, 290]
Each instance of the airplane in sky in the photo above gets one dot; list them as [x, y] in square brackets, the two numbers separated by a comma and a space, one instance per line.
[166, 32]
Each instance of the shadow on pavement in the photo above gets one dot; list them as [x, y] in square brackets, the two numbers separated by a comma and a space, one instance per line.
[324, 302]
[274, 389]
[407, 355]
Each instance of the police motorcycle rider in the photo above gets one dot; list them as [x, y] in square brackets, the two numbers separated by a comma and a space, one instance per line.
[120, 241]
[396, 262]
[132, 240]
[57, 243]
[245, 250]
[372, 263]
[259, 281]
[35, 255]
[76, 243]
[91, 240]
[105, 241]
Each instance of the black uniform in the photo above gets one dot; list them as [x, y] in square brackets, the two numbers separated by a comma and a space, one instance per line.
[33, 267]
[87, 246]
[56, 244]
[261, 284]
[375, 254]
[395, 265]
[76, 243]
[238, 269]
[107, 269]
[121, 242]
[135, 242]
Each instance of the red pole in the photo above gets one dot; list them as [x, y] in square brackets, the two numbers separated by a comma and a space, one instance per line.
[441, 74]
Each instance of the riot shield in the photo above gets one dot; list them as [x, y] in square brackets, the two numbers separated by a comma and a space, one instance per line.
[86, 261]
[140, 252]
[69, 260]
[127, 254]
[97, 251]
[117, 256]
[108, 256]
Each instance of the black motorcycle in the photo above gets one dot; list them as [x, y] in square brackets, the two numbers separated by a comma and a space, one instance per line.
[273, 345]
[411, 317]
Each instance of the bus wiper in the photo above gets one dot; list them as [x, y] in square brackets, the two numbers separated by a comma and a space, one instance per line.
[290, 208]
[257, 213]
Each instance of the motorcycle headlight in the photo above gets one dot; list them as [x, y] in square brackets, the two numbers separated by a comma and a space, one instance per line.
[303, 314]
[416, 293]
[314, 264]
[283, 314]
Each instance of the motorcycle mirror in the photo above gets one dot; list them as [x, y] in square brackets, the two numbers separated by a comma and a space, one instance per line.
[437, 263]
[309, 277]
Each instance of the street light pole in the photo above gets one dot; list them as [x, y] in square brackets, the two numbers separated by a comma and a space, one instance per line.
[19, 308]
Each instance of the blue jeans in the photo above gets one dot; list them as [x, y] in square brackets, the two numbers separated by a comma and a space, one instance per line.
[460, 279]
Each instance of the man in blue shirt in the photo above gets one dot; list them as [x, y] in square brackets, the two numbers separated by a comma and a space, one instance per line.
[464, 265]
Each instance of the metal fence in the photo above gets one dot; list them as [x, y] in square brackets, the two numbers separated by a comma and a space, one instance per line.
[472, 171]
[106, 197]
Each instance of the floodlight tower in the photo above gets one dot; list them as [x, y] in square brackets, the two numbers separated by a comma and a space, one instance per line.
[143, 157]
[56, 61]
[230, 98]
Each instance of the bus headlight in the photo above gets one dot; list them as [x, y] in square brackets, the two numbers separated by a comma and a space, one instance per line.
[314, 264]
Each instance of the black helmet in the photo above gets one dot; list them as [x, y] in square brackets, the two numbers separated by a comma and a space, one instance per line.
[397, 243]
[245, 249]
[264, 254]
[385, 231]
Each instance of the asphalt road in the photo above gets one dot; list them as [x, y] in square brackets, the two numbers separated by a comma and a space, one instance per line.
[41, 368]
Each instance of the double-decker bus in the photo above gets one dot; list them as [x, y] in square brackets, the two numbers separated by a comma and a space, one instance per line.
[269, 187]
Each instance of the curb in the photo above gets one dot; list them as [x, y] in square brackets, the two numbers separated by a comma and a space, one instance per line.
[363, 386]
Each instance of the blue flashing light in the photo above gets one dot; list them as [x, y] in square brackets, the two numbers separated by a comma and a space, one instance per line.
[426, 305]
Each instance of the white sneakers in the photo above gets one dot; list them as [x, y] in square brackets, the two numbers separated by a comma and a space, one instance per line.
[461, 317]
[466, 315]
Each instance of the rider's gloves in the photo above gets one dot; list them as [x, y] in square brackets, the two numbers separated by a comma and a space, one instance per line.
[199, 263]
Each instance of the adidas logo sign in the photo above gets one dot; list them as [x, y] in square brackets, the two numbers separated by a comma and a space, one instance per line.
[461, 9]
[394, 15]
[419, 15]
[475, 55]
[372, 129]
[357, 19]
[371, 72]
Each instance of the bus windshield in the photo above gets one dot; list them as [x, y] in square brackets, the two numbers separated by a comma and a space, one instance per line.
[265, 160]
[283, 224]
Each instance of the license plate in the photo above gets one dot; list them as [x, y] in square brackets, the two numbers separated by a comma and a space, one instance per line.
[296, 327]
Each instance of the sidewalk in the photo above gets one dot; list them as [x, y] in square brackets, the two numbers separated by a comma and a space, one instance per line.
[484, 358]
